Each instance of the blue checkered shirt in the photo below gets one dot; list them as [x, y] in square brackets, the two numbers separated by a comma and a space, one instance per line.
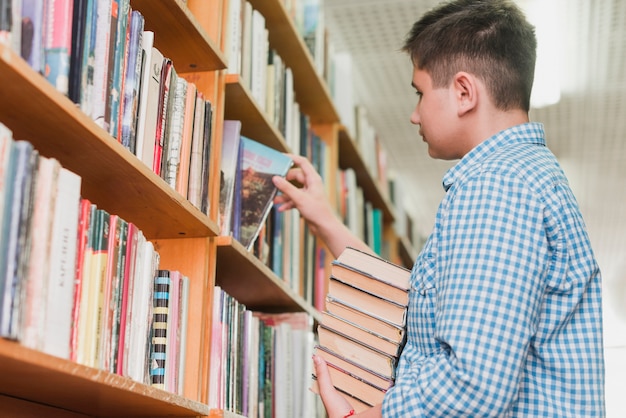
[505, 315]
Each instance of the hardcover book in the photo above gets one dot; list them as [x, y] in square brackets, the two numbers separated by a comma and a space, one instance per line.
[58, 44]
[259, 163]
[375, 305]
[342, 363]
[374, 267]
[158, 356]
[61, 275]
[372, 284]
[366, 336]
[228, 167]
[375, 360]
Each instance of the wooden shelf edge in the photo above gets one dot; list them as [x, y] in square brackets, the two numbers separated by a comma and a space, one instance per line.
[43, 379]
[252, 283]
[179, 36]
[66, 133]
[350, 156]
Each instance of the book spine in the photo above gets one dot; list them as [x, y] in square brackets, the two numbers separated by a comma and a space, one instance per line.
[58, 43]
[159, 329]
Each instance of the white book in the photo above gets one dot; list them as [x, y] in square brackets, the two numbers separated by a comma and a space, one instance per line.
[147, 43]
[34, 289]
[151, 110]
[233, 40]
[184, 319]
[174, 133]
[140, 311]
[246, 44]
[258, 51]
[58, 316]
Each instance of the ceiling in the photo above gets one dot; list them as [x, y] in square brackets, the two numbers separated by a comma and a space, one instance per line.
[586, 129]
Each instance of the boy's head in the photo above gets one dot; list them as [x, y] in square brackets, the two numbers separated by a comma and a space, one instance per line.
[488, 38]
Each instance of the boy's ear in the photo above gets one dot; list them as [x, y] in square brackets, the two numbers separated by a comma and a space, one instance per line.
[465, 87]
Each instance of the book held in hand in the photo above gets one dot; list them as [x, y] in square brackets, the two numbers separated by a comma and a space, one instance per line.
[362, 330]
[258, 164]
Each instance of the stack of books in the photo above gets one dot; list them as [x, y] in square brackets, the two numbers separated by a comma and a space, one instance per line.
[362, 330]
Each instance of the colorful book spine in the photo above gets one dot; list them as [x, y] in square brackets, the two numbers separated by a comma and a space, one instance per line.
[162, 283]
[58, 43]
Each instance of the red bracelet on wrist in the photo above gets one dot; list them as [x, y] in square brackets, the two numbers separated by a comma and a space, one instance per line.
[349, 414]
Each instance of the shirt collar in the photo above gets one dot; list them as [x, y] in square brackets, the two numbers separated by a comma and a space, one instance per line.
[529, 133]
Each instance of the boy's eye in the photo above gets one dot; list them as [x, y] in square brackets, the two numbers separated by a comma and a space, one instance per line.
[418, 94]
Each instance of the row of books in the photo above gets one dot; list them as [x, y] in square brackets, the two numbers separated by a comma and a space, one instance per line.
[260, 362]
[363, 326]
[80, 283]
[98, 53]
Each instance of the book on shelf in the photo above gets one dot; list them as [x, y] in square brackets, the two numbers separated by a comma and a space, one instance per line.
[17, 208]
[32, 49]
[147, 43]
[130, 274]
[118, 277]
[149, 105]
[102, 52]
[34, 295]
[132, 78]
[88, 58]
[79, 21]
[86, 218]
[140, 312]
[207, 131]
[58, 44]
[259, 163]
[231, 138]
[182, 177]
[117, 59]
[194, 188]
[174, 130]
[158, 355]
[377, 361]
[162, 109]
[6, 21]
[61, 275]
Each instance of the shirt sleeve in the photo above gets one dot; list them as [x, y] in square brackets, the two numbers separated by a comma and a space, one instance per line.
[490, 261]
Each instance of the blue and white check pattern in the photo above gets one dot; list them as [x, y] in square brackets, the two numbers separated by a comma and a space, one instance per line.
[505, 316]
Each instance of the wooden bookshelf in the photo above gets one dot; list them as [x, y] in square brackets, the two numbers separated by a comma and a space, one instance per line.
[34, 110]
[37, 378]
[252, 283]
[37, 384]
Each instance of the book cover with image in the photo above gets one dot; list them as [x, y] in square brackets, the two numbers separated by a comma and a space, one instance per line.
[258, 164]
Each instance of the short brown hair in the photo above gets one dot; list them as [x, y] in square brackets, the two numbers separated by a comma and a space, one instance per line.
[489, 38]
